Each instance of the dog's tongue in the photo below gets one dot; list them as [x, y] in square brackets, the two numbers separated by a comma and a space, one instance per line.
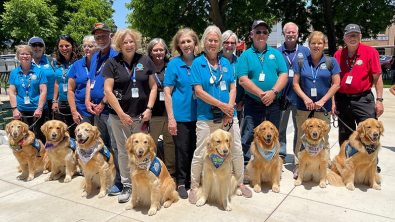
[268, 141]
[139, 156]
[374, 139]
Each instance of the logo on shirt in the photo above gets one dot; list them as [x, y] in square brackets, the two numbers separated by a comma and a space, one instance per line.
[225, 69]
[323, 66]
[139, 67]
[359, 62]
[300, 55]
[34, 77]
[272, 56]
[46, 66]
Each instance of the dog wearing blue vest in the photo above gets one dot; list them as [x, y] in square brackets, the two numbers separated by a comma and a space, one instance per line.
[60, 149]
[265, 164]
[151, 182]
[357, 159]
[95, 159]
[28, 150]
[218, 182]
[313, 155]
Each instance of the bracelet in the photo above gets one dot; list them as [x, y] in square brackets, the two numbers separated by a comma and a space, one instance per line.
[102, 102]
[41, 109]
[379, 99]
[275, 91]
[13, 108]
[54, 101]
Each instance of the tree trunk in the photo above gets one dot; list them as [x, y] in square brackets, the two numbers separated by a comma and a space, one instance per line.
[329, 26]
[217, 13]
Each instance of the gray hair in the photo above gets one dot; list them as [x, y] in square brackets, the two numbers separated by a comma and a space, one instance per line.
[19, 48]
[290, 23]
[90, 38]
[215, 29]
[155, 41]
[227, 34]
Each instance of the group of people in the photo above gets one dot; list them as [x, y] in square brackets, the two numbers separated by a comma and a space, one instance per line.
[203, 87]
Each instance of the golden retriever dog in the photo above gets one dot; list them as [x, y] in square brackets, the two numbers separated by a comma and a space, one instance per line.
[313, 155]
[218, 182]
[357, 159]
[265, 164]
[28, 150]
[151, 182]
[60, 148]
[95, 159]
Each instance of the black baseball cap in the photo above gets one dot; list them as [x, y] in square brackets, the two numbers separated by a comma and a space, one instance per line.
[259, 23]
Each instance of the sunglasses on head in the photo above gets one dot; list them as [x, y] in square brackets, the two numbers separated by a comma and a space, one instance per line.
[37, 45]
[262, 32]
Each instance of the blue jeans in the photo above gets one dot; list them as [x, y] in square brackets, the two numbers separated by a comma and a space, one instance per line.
[254, 114]
[283, 130]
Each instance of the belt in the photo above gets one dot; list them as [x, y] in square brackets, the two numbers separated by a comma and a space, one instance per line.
[364, 93]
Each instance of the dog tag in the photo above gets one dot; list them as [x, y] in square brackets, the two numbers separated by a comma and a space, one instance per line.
[26, 99]
[223, 85]
[348, 80]
[135, 93]
[93, 84]
[314, 92]
[64, 87]
[262, 77]
[291, 73]
[161, 96]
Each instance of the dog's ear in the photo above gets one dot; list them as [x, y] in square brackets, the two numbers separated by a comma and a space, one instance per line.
[381, 127]
[129, 143]
[325, 127]
[304, 125]
[7, 128]
[63, 126]
[361, 129]
[230, 140]
[151, 143]
[276, 134]
[96, 132]
[76, 130]
[209, 142]
[44, 128]
[24, 128]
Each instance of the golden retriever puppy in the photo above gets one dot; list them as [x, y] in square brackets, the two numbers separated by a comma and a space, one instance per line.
[265, 164]
[218, 182]
[151, 182]
[60, 148]
[313, 155]
[28, 150]
[95, 159]
[357, 159]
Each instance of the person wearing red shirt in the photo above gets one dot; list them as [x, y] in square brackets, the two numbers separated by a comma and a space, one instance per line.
[360, 65]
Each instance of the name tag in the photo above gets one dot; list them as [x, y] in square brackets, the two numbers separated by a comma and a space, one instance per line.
[135, 93]
[348, 80]
[223, 85]
[262, 77]
[64, 87]
[314, 92]
[291, 73]
[26, 99]
[92, 84]
[161, 96]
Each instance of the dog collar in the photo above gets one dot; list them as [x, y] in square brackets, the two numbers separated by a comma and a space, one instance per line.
[49, 146]
[155, 167]
[311, 148]
[86, 155]
[369, 148]
[267, 154]
[217, 160]
[18, 146]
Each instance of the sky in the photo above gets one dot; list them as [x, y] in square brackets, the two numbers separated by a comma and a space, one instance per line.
[119, 15]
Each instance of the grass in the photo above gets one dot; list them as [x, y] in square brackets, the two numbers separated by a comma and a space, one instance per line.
[387, 83]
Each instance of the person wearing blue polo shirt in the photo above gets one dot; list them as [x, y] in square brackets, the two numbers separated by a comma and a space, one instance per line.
[214, 83]
[46, 64]
[262, 73]
[28, 92]
[291, 52]
[315, 84]
[95, 101]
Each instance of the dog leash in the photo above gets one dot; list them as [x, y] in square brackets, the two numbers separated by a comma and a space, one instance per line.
[34, 123]
[338, 118]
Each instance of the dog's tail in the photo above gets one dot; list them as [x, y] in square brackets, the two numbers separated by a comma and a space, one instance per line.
[334, 179]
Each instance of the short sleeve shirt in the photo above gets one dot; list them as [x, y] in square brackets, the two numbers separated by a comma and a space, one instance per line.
[142, 67]
[366, 64]
[178, 76]
[28, 86]
[200, 75]
[253, 63]
[79, 72]
[62, 78]
[323, 80]
[49, 73]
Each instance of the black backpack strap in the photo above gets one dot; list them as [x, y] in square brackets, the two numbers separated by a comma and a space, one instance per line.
[300, 64]
[50, 60]
[329, 63]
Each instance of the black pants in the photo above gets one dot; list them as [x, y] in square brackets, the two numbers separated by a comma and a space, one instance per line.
[185, 145]
[50, 111]
[36, 129]
[66, 117]
[352, 111]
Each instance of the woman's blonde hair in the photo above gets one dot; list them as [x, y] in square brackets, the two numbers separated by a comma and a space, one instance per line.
[19, 48]
[316, 35]
[176, 51]
[215, 29]
[117, 40]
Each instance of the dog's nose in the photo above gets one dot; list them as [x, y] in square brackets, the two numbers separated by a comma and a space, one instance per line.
[225, 151]
[269, 136]
[376, 135]
[79, 136]
[140, 152]
[53, 134]
[315, 134]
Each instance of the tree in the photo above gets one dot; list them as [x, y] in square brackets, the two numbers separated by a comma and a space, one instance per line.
[23, 19]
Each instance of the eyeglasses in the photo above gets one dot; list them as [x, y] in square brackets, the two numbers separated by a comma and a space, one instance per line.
[352, 36]
[215, 41]
[88, 46]
[316, 43]
[37, 45]
[290, 33]
[262, 32]
[25, 54]
[158, 50]
[229, 43]
[128, 42]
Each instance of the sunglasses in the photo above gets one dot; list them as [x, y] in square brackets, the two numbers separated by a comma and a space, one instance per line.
[262, 32]
[37, 45]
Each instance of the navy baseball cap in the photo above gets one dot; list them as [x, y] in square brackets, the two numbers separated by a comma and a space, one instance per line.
[36, 39]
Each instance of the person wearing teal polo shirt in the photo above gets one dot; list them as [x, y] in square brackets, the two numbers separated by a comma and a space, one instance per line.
[67, 52]
[214, 83]
[28, 92]
[262, 73]
[46, 64]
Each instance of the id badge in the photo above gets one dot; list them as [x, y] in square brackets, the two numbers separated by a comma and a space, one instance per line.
[26, 99]
[135, 93]
[291, 73]
[64, 87]
[262, 77]
[223, 85]
[161, 96]
[314, 92]
[348, 80]
[194, 95]
[92, 84]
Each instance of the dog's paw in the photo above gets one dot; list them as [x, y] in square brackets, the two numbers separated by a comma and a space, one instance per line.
[21, 177]
[48, 178]
[228, 207]
[257, 188]
[129, 207]
[167, 204]
[102, 194]
[376, 187]
[276, 189]
[84, 194]
[200, 202]
[45, 171]
[323, 184]
[152, 211]
[298, 183]
[238, 192]
[67, 179]
[30, 178]
[350, 186]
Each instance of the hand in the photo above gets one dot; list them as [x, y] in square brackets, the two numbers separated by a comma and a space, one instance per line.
[90, 107]
[319, 104]
[309, 104]
[55, 106]
[146, 115]
[379, 108]
[77, 117]
[226, 120]
[240, 105]
[38, 113]
[172, 127]
[227, 109]
[268, 97]
[16, 114]
[333, 110]
[98, 108]
[126, 119]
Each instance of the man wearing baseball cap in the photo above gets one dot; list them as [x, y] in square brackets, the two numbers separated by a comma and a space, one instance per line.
[263, 73]
[360, 69]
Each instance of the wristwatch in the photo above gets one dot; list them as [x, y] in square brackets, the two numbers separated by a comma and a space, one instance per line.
[380, 99]
[102, 102]
[275, 91]
[149, 107]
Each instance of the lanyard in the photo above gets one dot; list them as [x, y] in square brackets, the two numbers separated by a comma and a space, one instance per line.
[28, 83]
[353, 62]
[296, 52]
[87, 71]
[65, 70]
[98, 71]
[312, 74]
[261, 60]
[188, 68]
[133, 78]
[157, 78]
[211, 71]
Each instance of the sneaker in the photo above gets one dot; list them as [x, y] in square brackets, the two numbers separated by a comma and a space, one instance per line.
[192, 196]
[124, 196]
[245, 191]
[182, 192]
[115, 190]
[295, 172]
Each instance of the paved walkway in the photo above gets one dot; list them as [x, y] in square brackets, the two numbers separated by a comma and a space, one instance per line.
[56, 201]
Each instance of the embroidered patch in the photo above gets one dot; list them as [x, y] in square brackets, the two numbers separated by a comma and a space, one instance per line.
[139, 67]
[155, 167]
[323, 66]
[300, 55]
[272, 56]
[225, 69]
[359, 62]
[86, 155]
[267, 154]
[217, 160]
[34, 77]
[46, 66]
